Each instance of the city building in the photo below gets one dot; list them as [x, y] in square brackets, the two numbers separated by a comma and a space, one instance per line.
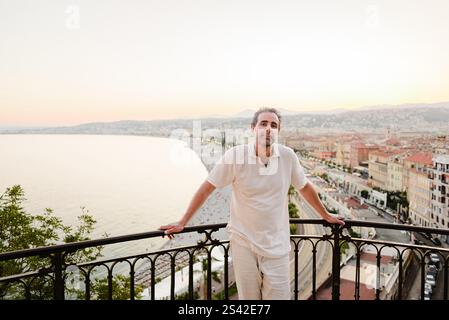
[343, 154]
[378, 167]
[418, 161]
[325, 150]
[419, 193]
[360, 153]
[440, 192]
[395, 175]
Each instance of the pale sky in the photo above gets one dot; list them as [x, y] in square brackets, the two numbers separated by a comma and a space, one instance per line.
[69, 62]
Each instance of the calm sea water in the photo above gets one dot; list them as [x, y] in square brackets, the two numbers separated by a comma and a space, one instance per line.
[129, 184]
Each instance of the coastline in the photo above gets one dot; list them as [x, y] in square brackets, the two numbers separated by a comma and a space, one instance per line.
[214, 210]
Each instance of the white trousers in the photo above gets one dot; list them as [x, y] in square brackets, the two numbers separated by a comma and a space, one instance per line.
[259, 277]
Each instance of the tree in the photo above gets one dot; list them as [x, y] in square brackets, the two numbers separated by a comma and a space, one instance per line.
[397, 197]
[344, 246]
[291, 192]
[120, 289]
[186, 296]
[293, 213]
[20, 230]
[364, 194]
[204, 267]
[325, 177]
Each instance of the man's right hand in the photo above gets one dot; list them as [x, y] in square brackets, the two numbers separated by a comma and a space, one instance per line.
[171, 228]
[198, 199]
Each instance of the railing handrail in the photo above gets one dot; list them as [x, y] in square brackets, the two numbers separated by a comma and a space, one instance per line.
[58, 267]
[394, 226]
[381, 225]
[73, 246]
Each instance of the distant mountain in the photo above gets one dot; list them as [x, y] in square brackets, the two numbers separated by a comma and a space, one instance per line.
[444, 104]
[248, 113]
[15, 127]
[286, 112]
[432, 117]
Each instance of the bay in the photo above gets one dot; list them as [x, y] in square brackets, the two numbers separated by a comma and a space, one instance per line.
[130, 184]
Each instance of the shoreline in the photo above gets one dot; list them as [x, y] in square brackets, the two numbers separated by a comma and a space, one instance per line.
[214, 210]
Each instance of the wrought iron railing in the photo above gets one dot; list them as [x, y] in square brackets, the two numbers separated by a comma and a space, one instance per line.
[169, 262]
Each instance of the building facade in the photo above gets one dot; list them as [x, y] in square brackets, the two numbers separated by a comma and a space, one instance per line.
[419, 161]
[440, 192]
[420, 196]
[360, 153]
[395, 175]
[378, 167]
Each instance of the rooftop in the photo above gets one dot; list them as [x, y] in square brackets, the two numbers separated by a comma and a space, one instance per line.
[421, 158]
[443, 158]
[385, 153]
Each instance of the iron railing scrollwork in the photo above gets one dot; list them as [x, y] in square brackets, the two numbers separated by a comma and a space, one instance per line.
[149, 271]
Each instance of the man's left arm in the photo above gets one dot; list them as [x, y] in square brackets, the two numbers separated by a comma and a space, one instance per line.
[312, 198]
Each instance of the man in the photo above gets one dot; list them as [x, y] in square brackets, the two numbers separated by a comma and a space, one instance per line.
[261, 174]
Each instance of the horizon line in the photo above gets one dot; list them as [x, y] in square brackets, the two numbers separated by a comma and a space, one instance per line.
[234, 115]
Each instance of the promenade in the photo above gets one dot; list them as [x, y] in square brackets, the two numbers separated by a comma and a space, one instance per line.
[214, 210]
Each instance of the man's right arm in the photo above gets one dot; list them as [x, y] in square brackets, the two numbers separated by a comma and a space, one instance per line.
[197, 201]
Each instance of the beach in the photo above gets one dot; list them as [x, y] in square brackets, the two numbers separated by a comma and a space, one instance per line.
[215, 210]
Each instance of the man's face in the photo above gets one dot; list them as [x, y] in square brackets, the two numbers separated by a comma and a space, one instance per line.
[267, 129]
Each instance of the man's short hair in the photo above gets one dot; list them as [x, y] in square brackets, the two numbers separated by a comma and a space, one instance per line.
[262, 110]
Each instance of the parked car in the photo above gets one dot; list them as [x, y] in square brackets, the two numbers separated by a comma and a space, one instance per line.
[428, 287]
[435, 241]
[430, 280]
[426, 235]
[432, 270]
[434, 258]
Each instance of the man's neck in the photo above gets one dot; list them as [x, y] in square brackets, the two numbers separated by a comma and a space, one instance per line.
[263, 155]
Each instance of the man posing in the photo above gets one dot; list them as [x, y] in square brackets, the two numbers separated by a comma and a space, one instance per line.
[261, 174]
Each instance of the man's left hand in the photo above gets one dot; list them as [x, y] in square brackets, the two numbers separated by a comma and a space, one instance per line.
[335, 220]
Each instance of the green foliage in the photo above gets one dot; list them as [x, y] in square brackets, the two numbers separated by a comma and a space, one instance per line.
[291, 192]
[324, 176]
[354, 234]
[185, 296]
[344, 246]
[120, 289]
[232, 290]
[364, 194]
[395, 198]
[20, 230]
[293, 228]
[204, 266]
[293, 213]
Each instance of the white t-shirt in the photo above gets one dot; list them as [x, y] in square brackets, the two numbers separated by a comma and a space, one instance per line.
[259, 204]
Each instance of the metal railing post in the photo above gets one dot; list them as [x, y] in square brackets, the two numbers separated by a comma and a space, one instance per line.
[336, 263]
[58, 293]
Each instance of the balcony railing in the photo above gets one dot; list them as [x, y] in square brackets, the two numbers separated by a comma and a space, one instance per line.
[56, 273]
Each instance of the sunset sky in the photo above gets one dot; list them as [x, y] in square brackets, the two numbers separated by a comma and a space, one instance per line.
[69, 62]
